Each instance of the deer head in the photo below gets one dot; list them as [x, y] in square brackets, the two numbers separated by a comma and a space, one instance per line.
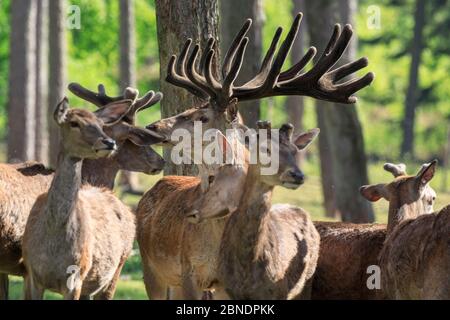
[428, 194]
[226, 186]
[221, 94]
[405, 193]
[133, 143]
[82, 131]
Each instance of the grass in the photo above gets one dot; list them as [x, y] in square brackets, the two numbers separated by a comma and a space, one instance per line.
[309, 197]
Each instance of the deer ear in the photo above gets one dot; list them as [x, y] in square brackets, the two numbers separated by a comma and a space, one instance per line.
[374, 192]
[61, 111]
[304, 139]
[143, 137]
[114, 112]
[426, 173]
[225, 147]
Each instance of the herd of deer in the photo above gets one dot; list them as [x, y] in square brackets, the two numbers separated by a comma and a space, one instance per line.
[218, 235]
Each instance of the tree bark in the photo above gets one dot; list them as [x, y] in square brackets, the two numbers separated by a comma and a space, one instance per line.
[57, 72]
[342, 127]
[128, 70]
[233, 14]
[127, 45]
[295, 105]
[411, 94]
[41, 135]
[177, 21]
[22, 81]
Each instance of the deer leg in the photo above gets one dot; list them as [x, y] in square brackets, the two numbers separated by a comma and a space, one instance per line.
[32, 291]
[175, 293]
[108, 292]
[156, 289]
[306, 291]
[220, 294]
[4, 286]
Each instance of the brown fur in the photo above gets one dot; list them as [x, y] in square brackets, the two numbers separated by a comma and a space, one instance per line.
[22, 183]
[171, 248]
[415, 260]
[346, 250]
[74, 225]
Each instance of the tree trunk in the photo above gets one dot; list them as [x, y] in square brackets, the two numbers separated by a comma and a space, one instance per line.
[128, 70]
[177, 21]
[295, 105]
[342, 127]
[22, 81]
[41, 136]
[411, 94]
[233, 14]
[57, 71]
[127, 45]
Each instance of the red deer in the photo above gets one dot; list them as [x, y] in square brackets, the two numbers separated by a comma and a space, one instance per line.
[163, 209]
[415, 259]
[21, 184]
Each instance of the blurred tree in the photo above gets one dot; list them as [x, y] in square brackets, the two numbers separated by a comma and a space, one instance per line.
[233, 14]
[412, 92]
[41, 134]
[129, 180]
[127, 45]
[177, 21]
[295, 104]
[57, 71]
[340, 122]
[22, 81]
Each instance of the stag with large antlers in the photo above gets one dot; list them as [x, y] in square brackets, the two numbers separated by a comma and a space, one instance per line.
[23, 183]
[320, 82]
[166, 205]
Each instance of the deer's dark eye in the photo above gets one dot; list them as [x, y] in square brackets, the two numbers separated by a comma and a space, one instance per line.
[204, 119]
[211, 179]
[74, 124]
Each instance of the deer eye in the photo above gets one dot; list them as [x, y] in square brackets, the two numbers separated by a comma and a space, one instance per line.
[74, 124]
[211, 179]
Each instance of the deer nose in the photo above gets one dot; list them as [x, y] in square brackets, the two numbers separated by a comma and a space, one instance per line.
[152, 127]
[109, 143]
[298, 176]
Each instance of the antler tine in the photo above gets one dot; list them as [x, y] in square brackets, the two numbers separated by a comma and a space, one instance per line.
[229, 56]
[181, 81]
[296, 68]
[396, 169]
[209, 46]
[99, 99]
[196, 78]
[234, 70]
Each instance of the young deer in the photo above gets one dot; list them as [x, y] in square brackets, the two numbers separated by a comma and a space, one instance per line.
[21, 184]
[78, 228]
[165, 206]
[415, 259]
[348, 249]
[267, 252]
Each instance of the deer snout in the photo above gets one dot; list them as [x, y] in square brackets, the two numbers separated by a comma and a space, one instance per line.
[297, 175]
[194, 217]
[109, 143]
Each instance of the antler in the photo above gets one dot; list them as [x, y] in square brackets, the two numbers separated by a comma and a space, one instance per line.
[101, 99]
[396, 169]
[319, 82]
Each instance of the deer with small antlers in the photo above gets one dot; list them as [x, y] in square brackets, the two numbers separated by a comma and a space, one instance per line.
[267, 252]
[163, 209]
[23, 183]
[415, 259]
[75, 227]
[348, 249]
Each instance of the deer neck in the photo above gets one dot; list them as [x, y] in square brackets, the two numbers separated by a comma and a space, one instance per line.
[247, 227]
[400, 211]
[63, 192]
[100, 172]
